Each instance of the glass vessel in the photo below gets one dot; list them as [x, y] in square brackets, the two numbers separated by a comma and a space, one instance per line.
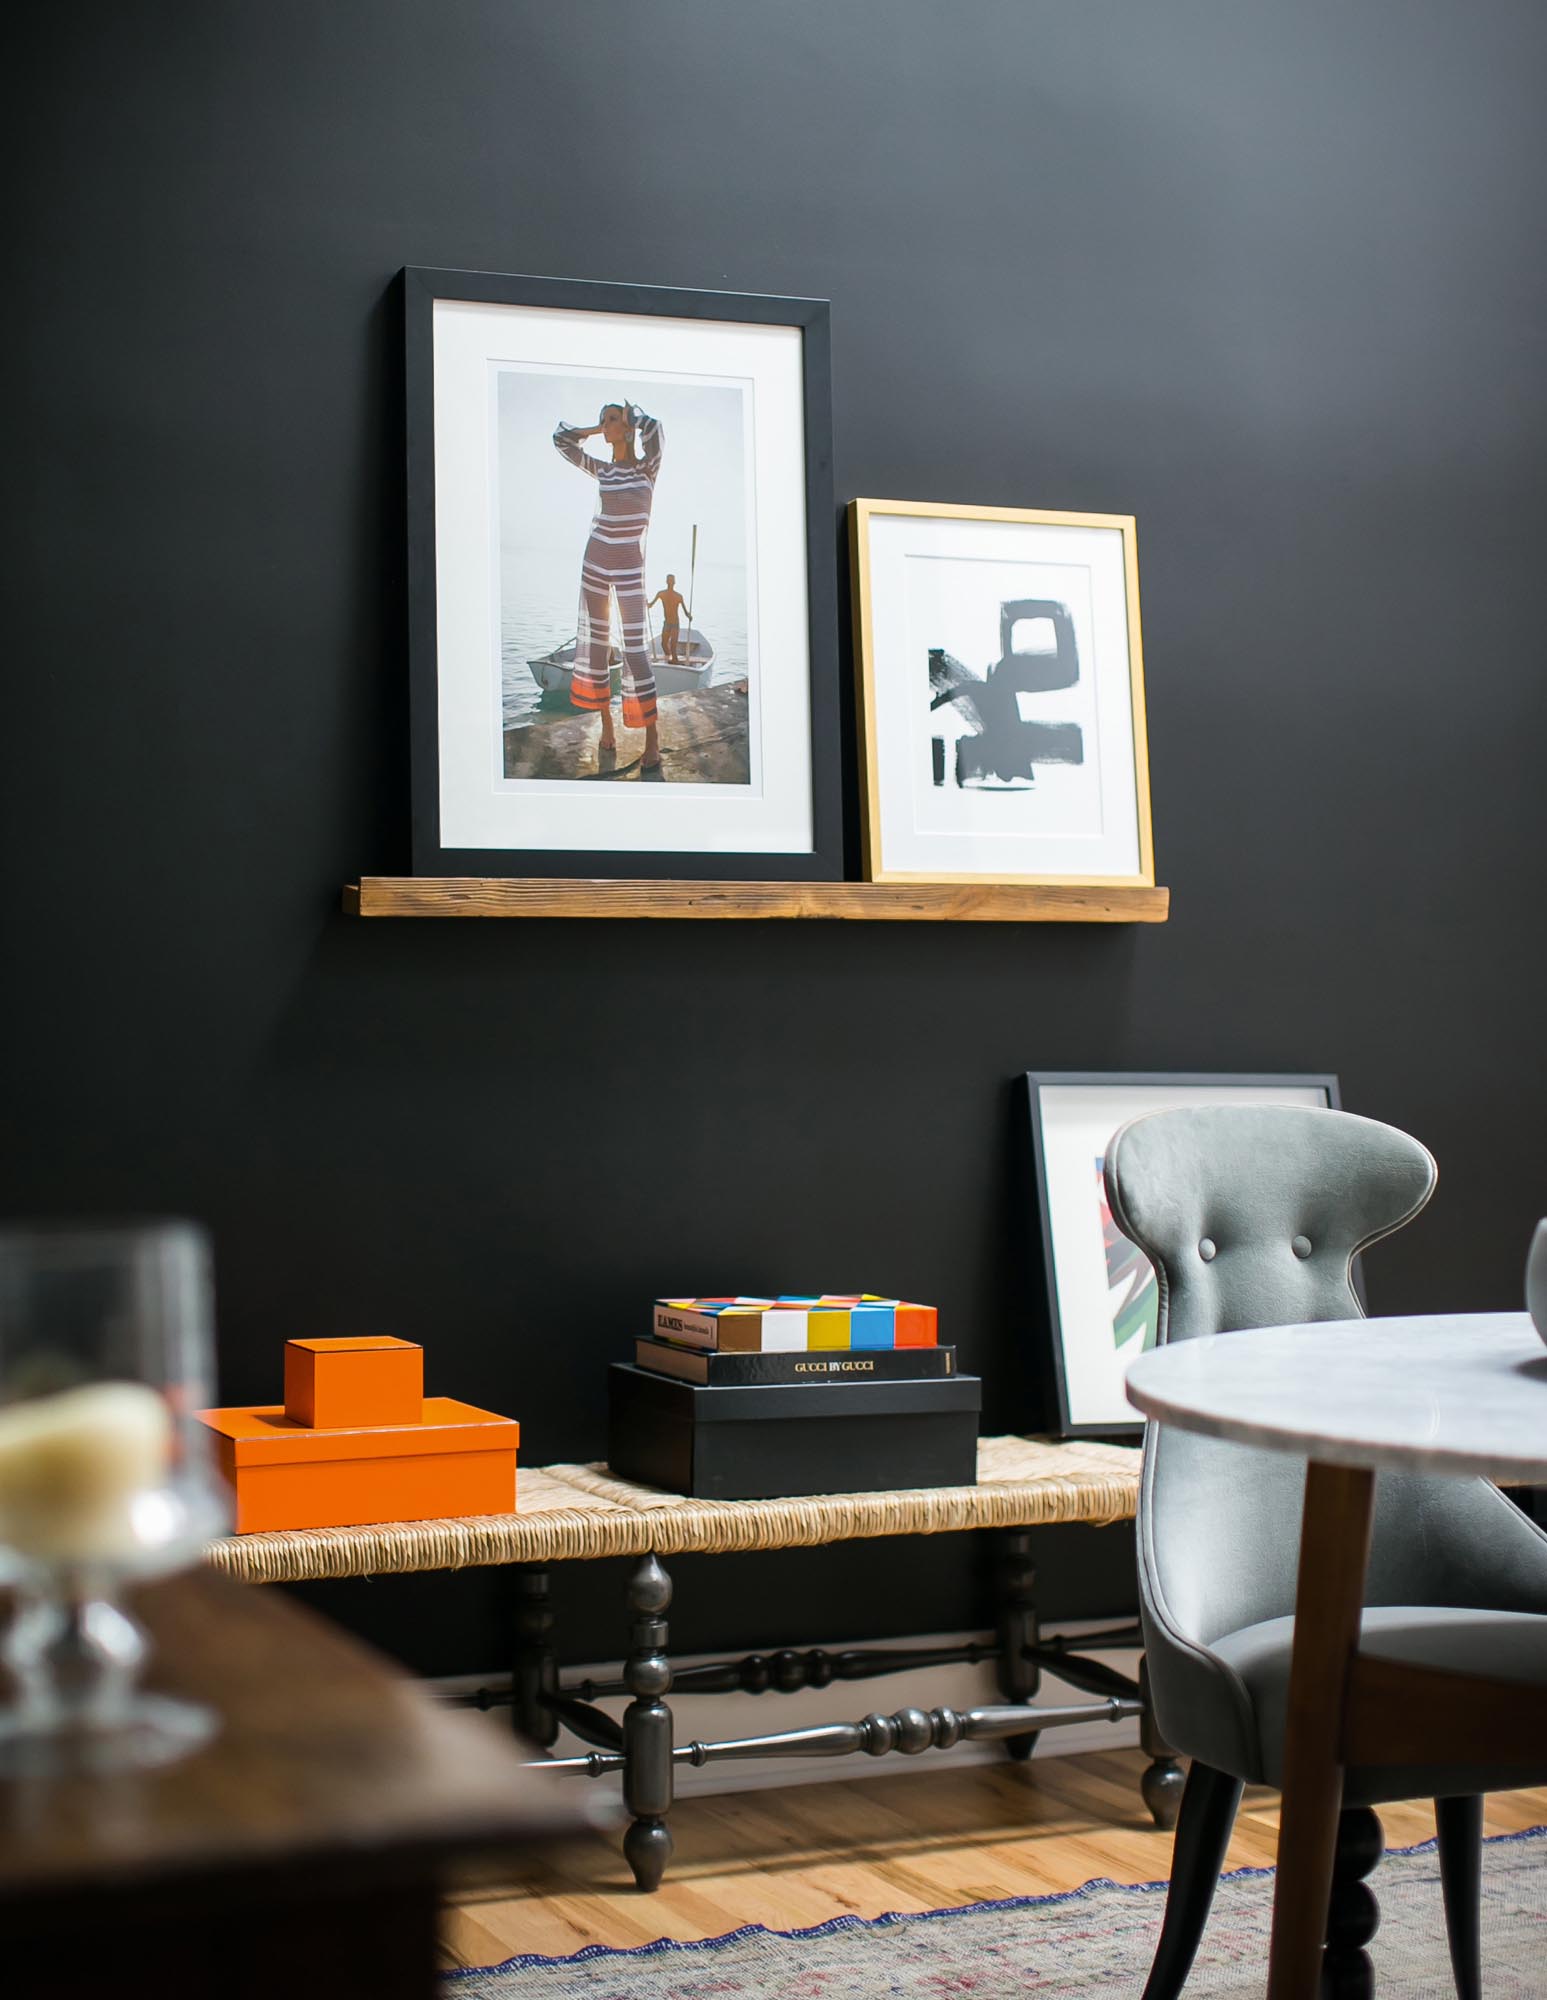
[106, 1480]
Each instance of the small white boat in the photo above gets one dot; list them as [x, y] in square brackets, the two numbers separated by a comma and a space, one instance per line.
[687, 674]
[692, 667]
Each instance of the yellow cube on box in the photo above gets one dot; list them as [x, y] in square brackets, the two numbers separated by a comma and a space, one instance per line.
[829, 1329]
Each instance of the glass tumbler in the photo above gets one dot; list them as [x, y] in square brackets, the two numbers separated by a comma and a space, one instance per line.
[106, 1480]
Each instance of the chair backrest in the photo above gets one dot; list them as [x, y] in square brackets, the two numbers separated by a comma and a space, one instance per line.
[1252, 1215]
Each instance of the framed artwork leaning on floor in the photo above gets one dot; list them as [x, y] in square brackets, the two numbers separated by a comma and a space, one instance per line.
[1103, 1298]
[622, 589]
[1001, 695]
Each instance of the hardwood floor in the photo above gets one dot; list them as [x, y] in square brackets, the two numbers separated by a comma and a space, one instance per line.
[919, 1840]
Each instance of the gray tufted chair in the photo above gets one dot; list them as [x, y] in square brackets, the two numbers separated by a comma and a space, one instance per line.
[1252, 1216]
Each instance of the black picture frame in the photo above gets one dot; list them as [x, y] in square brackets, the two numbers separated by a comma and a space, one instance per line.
[422, 288]
[1051, 1347]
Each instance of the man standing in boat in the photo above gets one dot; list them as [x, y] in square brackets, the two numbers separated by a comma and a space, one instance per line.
[671, 602]
[613, 566]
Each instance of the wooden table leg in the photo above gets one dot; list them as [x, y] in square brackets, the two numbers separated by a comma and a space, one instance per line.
[1334, 1553]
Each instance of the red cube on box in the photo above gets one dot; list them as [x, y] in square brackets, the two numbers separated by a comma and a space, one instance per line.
[917, 1326]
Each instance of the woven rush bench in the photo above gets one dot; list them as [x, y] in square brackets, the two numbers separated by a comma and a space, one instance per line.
[578, 1513]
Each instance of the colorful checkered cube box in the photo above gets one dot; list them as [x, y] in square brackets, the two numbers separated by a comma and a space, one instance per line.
[820, 1321]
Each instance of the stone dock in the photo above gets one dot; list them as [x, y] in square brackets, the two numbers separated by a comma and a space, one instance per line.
[704, 741]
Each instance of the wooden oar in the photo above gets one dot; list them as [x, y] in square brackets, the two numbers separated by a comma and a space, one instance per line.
[692, 574]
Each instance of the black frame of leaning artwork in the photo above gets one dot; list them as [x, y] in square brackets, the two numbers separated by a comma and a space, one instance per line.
[1054, 1377]
[422, 287]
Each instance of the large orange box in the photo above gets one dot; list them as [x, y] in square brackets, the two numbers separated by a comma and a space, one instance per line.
[454, 1460]
[331, 1384]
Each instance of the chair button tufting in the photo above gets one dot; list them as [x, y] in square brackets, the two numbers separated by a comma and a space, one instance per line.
[1301, 1246]
[1207, 1250]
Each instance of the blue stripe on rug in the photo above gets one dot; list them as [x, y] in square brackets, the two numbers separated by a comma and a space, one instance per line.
[834, 1926]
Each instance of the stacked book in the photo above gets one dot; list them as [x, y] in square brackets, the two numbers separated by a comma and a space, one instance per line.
[828, 1337]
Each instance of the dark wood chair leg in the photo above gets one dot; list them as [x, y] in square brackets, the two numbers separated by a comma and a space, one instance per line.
[1460, 1824]
[1209, 1802]
[1353, 1915]
[647, 1727]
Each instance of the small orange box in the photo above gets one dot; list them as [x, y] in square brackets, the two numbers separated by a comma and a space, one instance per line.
[334, 1384]
[452, 1460]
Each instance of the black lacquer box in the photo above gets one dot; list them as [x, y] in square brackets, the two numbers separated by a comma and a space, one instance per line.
[776, 1441]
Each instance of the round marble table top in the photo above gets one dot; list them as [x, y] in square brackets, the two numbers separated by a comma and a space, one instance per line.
[1454, 1393]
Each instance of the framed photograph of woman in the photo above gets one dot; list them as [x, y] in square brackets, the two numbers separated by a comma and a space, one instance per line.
[1103, 1295]
[1001, 695]
[622, 583]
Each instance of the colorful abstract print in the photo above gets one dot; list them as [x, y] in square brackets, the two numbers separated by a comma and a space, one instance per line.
[1132, 1288]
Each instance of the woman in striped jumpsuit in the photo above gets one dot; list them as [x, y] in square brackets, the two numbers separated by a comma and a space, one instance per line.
[614, 565]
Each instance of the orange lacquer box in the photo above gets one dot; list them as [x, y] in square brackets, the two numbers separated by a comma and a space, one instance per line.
[332, 1384]
[455, 1460]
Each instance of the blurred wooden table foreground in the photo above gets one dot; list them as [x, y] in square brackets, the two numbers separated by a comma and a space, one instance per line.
[299, 1854]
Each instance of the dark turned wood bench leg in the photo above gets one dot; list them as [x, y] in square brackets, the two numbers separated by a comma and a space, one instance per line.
[534, 1676]
[647, 1727]
[1019, 1676]
[1164, 1780]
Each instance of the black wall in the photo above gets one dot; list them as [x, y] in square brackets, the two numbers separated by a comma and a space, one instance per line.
[1267, 276]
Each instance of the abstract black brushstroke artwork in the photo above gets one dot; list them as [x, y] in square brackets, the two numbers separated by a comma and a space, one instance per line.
[1006, 745]
[1003, 695]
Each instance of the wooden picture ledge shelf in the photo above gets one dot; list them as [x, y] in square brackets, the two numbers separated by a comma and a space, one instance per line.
[875, 902]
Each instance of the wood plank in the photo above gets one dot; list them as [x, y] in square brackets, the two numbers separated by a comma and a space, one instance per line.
[927, 902]
[878, 1851]
[1092, 1794]
[465, 1940]
[913, 1839]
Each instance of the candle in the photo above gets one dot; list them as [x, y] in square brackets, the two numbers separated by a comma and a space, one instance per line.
[73, 1464]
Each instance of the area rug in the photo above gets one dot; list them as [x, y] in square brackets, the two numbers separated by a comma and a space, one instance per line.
[1094, 1943]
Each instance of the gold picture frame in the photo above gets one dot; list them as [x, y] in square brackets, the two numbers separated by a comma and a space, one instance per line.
[887, 855]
